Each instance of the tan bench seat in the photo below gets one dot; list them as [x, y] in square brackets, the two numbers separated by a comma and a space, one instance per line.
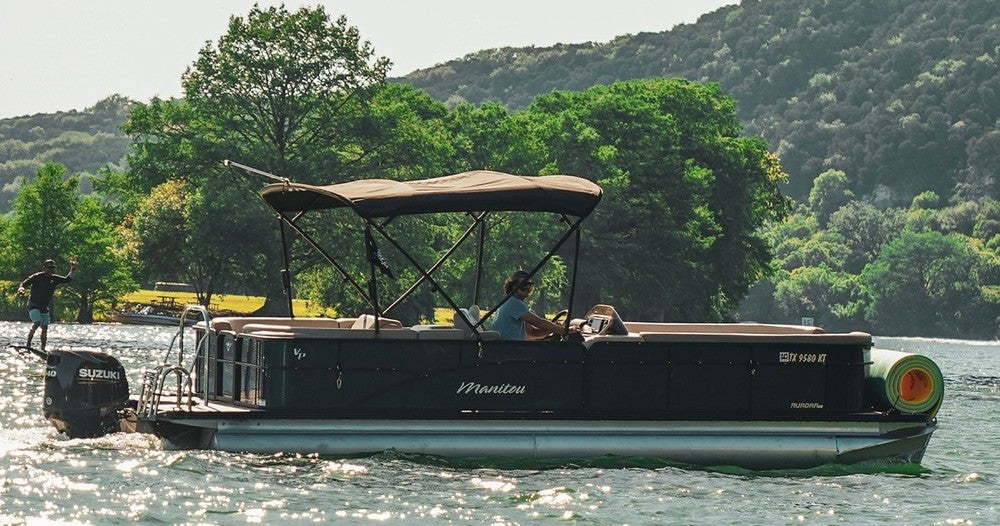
[323, 333]
[723, 328]
[590, 340]
[235, 325]
[861, 338]
[447, 332]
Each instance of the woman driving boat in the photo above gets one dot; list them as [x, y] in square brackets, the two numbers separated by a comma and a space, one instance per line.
[514, 320]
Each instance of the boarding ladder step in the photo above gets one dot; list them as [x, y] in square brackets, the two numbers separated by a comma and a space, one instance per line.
[154, 382]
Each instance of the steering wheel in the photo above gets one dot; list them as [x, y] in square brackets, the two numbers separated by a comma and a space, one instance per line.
[555, 319]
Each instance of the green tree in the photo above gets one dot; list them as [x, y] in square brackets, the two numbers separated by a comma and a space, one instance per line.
[278, 88]
[987, 227]
[930, 284]
[923, 211]
[169, 245]
[283, 91]
[984, 164]
[489, 137]
[157, 231]
[104, 275]
[42, 210]
[822, 248]
[865, 230]
[835, 300]
[678, 234]
[400, 133]
[830, 191]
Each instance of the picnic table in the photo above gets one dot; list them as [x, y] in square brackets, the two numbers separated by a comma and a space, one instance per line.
[167, 301]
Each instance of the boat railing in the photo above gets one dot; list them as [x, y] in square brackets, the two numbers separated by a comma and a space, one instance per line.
[201, 342]
[178, 338]
[154, 385]
[201, 345]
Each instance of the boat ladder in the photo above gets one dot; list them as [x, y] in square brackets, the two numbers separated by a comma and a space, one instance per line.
[155, 381]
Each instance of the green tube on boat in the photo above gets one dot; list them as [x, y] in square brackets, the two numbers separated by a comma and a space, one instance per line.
[907, 382]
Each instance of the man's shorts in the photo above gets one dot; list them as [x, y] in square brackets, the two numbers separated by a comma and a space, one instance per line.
[39, 317]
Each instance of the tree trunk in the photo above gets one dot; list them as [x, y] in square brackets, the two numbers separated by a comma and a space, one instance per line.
[273, 306]
[86, 312]
[275, 300]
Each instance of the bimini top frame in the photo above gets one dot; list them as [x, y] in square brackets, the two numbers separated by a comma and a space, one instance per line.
[476, 193]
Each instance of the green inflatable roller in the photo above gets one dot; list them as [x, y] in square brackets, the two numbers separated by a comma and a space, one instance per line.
[907, 382]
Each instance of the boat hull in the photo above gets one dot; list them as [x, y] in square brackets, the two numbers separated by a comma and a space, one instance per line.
[749, 444]
[767, 397]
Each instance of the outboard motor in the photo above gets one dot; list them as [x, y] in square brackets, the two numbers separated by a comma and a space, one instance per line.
[85, 393]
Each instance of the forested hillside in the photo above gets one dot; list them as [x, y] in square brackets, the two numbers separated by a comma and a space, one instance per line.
[902, 96]
[82, 141]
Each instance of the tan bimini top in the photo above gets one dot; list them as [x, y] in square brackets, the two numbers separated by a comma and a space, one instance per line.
[474, 191]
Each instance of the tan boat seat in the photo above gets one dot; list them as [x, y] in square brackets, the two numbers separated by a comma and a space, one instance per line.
[235, 325]
[721, 328]
[447, 332]
[326, 333]
[367, 321]
[588, 341]
[860, 338]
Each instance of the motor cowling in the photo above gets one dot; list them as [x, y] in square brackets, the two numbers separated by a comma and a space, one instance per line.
[85, 393]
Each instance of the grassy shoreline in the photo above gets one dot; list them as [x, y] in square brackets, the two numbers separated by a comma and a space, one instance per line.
[236, 303]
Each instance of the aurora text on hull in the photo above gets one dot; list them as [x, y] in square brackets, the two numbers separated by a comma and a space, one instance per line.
[753, 395]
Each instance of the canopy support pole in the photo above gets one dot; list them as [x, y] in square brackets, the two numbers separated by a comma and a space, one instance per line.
[477, 220]
[572, 283]
[312, 242]
[479, 262]
[574, 227]
[371, 253]
[227, 163]
[286, 274]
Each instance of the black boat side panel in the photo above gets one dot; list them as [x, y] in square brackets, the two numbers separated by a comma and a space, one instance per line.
[709, 377]
[818, 378]
[623, 376]
[410, 375]
[466, 375]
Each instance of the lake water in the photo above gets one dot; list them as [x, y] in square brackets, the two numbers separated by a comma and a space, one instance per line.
[46, 478]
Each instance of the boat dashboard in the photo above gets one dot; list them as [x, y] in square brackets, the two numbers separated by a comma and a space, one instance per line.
[601, 320]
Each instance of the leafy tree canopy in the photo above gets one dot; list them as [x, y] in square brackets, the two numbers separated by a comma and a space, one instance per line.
[900, 95]
[281, 90]
[928, 283]
[685, 195]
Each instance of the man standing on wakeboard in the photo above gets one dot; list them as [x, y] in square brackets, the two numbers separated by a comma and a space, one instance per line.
[43, 286]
